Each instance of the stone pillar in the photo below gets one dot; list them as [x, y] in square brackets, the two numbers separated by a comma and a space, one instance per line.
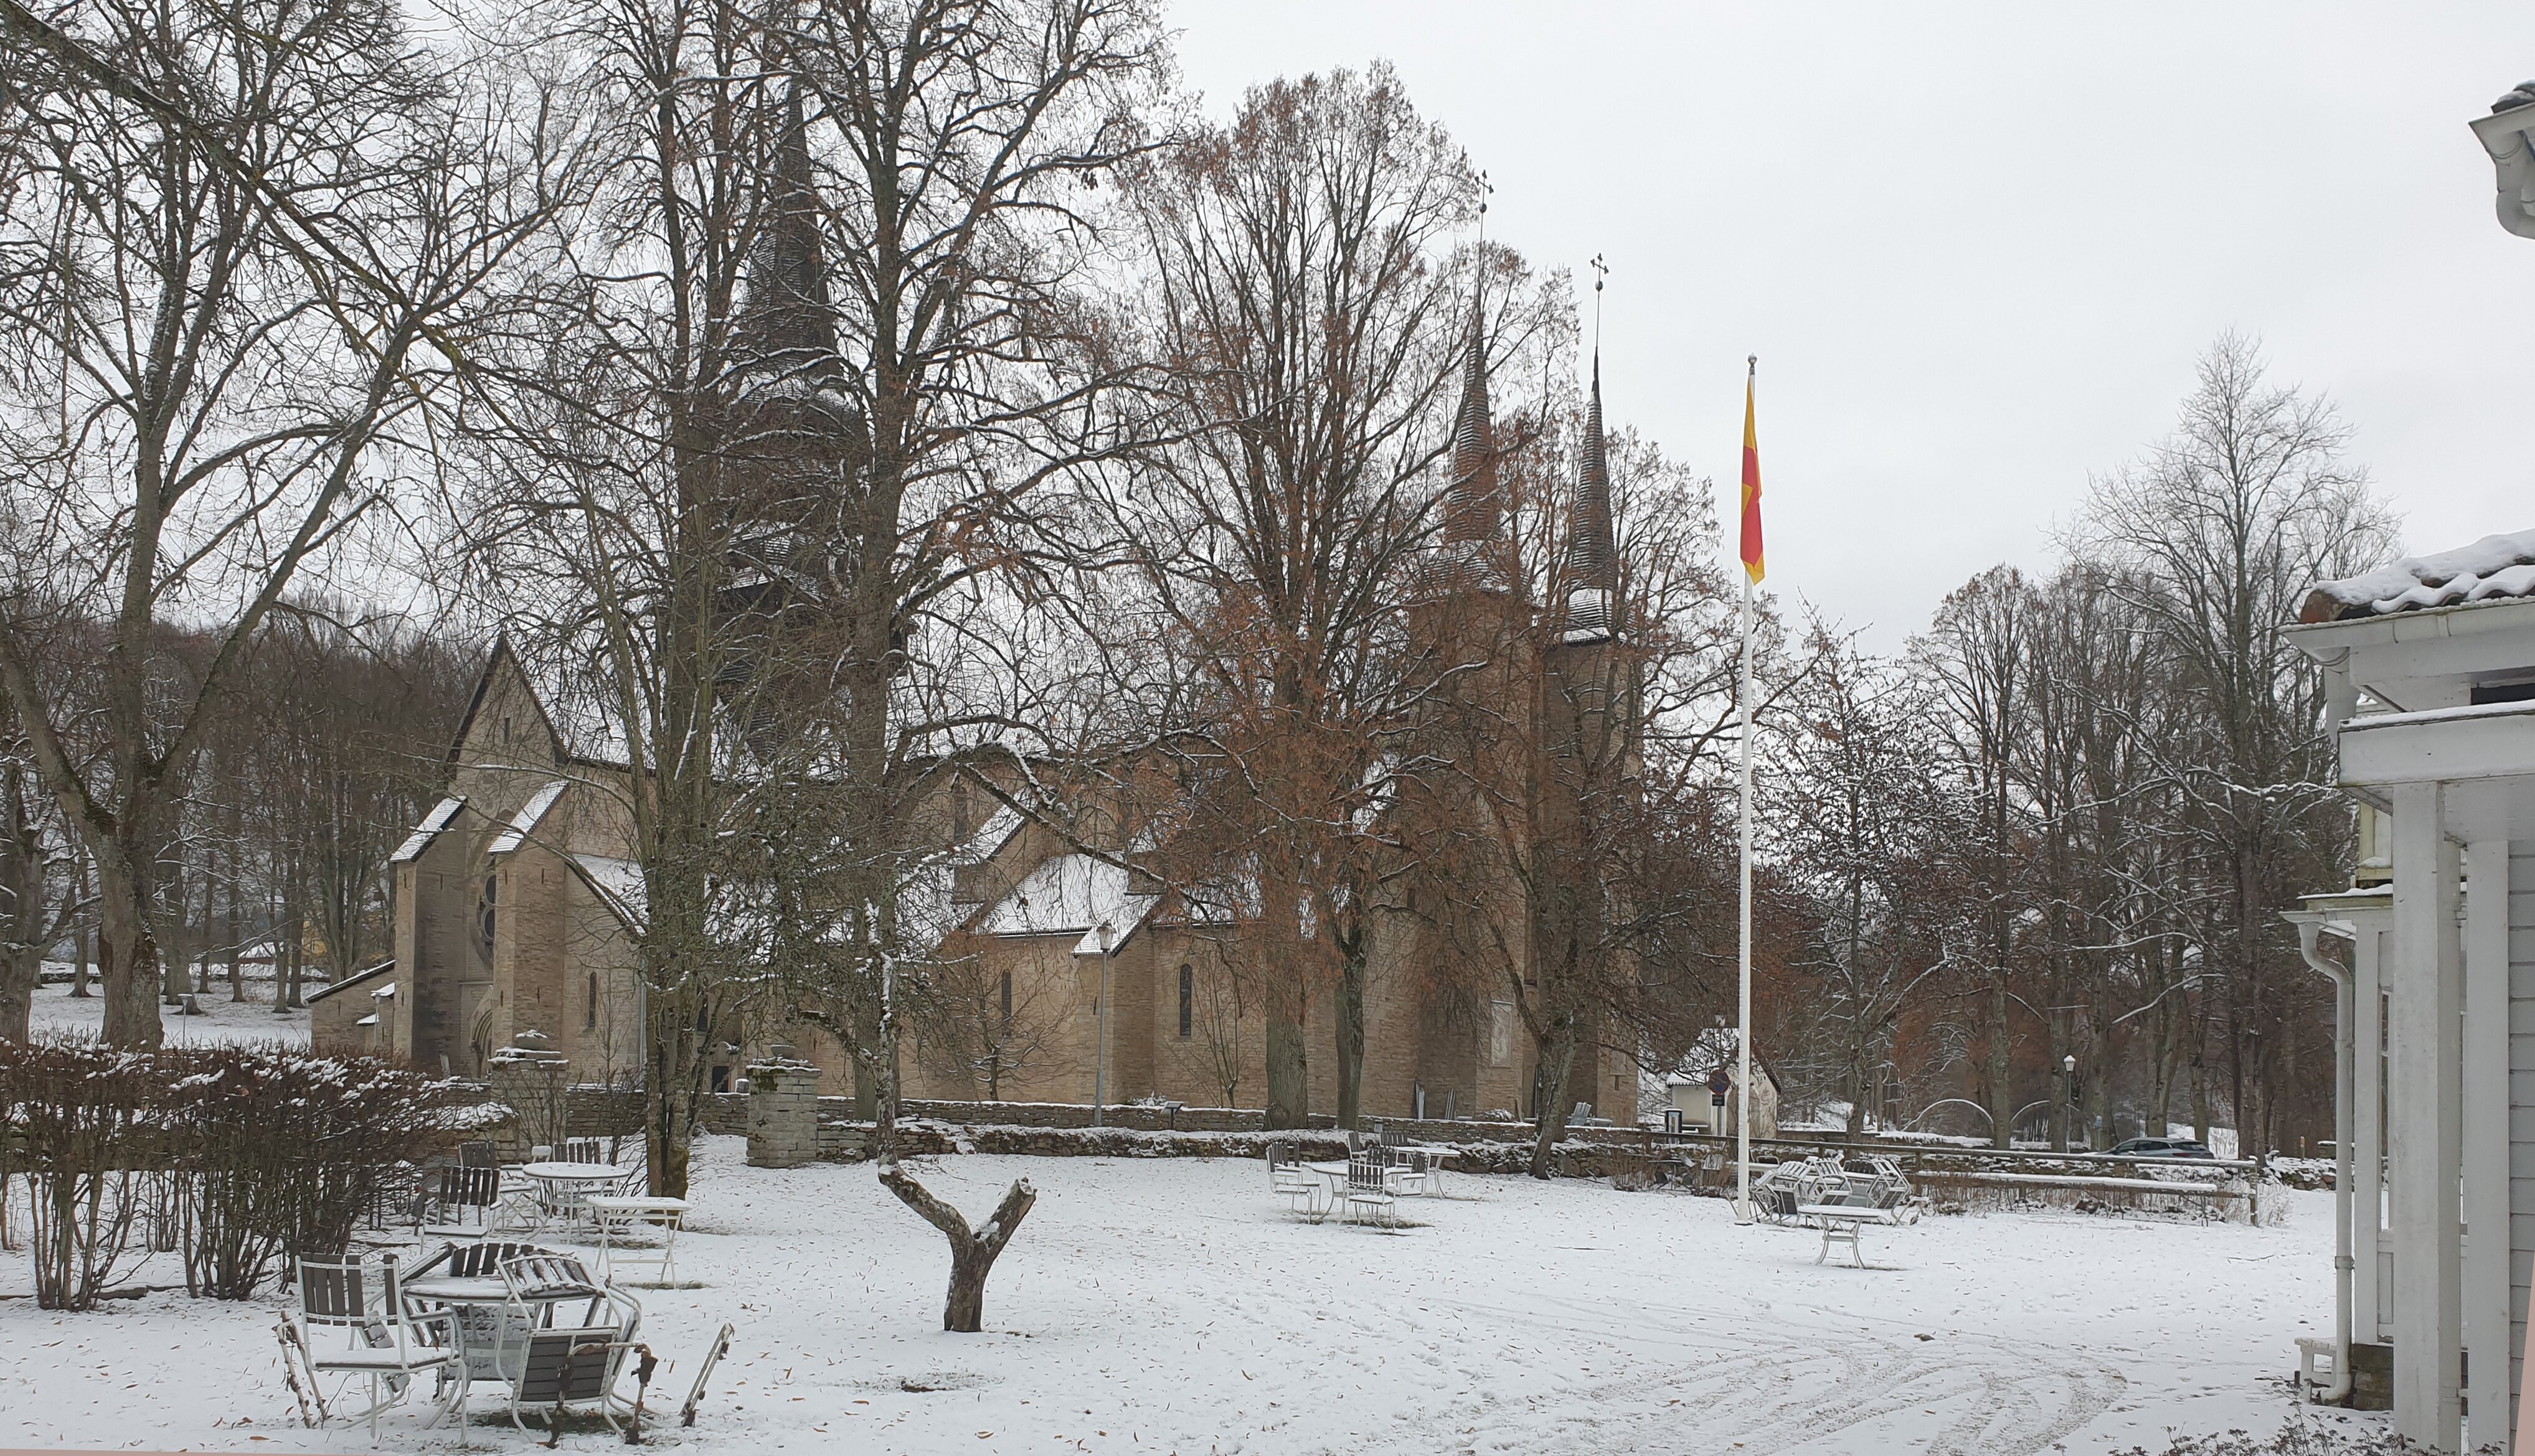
[528, 1077]
[782, 1113]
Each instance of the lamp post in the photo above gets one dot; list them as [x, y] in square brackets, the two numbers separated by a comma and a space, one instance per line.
[2069, 1113]
[1100, 1013]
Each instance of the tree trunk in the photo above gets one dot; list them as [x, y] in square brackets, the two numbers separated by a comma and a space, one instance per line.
[972, 1254]
[2200, 1094]
[19, 971]
[866, 1080]
[1289, 1092]
[669, 1090]
[176, 969]
[1557, 1053]
[2002, 1082]
[1350, 1035]
[230, 928]
[127, 963]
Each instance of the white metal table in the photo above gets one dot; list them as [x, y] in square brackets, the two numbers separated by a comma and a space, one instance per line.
[621, 1215]
[564, 1189]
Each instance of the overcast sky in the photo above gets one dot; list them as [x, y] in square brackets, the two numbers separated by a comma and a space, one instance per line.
[1978, 247]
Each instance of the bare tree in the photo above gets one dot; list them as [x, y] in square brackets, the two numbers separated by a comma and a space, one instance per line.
[2247, 502]
[1979, 653]
[1300, 305]
[239, 237]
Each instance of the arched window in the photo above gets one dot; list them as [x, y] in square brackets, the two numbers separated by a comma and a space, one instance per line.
[1187, 1000]
[589, 1017]
[486, 903]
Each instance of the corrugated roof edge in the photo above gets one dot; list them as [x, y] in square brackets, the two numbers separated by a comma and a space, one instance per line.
[2495, 568]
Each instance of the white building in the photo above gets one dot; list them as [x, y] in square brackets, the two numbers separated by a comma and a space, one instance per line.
[2431, 669]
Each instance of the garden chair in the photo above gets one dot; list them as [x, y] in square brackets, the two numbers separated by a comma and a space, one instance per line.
[583, 1150]
[541, 1282]
[1367, 1191]
[1301, 1188]
[445, 1211]
[555, 1370]
[1412, 1172]
[696, 1391]
[478, 1153]
[343, 1328]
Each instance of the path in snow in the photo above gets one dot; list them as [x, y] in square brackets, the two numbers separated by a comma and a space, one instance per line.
[1167, 1306]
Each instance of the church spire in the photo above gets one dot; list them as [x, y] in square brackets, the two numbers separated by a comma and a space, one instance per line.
[1472, 509]
[1592, 555]
[787, 323]
[1591, 552]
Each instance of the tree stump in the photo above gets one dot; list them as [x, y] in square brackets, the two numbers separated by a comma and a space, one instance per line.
[972, 1253]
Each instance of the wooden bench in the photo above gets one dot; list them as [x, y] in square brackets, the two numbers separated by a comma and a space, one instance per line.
[1840, 1222]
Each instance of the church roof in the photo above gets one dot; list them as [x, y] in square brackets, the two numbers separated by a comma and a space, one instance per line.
[1070, 894]
[442, 814]
[531, 814]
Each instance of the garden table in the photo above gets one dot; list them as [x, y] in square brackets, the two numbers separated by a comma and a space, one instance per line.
[564, 1188]
[488, 1318]
[621, 1214]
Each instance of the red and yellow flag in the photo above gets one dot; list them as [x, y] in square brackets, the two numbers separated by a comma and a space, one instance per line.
[1750, 484]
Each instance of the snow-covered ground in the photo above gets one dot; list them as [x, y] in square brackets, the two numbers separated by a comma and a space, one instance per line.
[1169, 1305]
[223, 1019]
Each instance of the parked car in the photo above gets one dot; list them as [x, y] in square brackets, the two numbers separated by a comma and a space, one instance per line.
[2162, 1147]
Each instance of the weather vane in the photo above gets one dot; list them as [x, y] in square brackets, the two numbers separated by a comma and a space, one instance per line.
[1601, 271]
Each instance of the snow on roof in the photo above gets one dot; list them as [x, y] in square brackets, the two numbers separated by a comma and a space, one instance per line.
[992, 835]
[1070, 893]
[384, 992]
[2494, 566]
[525, 823]
[618, 883]
[371, 1020]
[363, 978]
[429, 830]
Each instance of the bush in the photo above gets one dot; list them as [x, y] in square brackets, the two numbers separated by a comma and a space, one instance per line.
[252, 1152]
[282, 1152]
[2308, 1434]
[77, 1134]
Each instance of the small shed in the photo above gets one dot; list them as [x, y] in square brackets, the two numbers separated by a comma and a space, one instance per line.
[1688, 1088]
[349, 1018]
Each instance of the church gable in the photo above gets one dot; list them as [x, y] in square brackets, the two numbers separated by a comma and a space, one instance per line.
[506, 723]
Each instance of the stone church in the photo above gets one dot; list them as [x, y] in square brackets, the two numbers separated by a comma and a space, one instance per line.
[508, 894]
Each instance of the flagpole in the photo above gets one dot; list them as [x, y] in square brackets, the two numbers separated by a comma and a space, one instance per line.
[1743, 1022]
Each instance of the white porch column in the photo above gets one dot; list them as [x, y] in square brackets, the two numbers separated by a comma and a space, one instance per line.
[2484, 1090]
[2371, 1300]
[2427, 1131]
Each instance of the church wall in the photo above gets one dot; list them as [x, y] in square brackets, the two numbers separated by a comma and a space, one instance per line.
[603, 1028]
[1185, 1067]
[1133, 970]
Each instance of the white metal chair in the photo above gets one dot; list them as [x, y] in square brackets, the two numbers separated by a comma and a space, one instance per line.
[696, 1390]
[1302, 1189]
[349, 1327]
[1367, 1191]
[1411, 1171]
[558, 1365]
